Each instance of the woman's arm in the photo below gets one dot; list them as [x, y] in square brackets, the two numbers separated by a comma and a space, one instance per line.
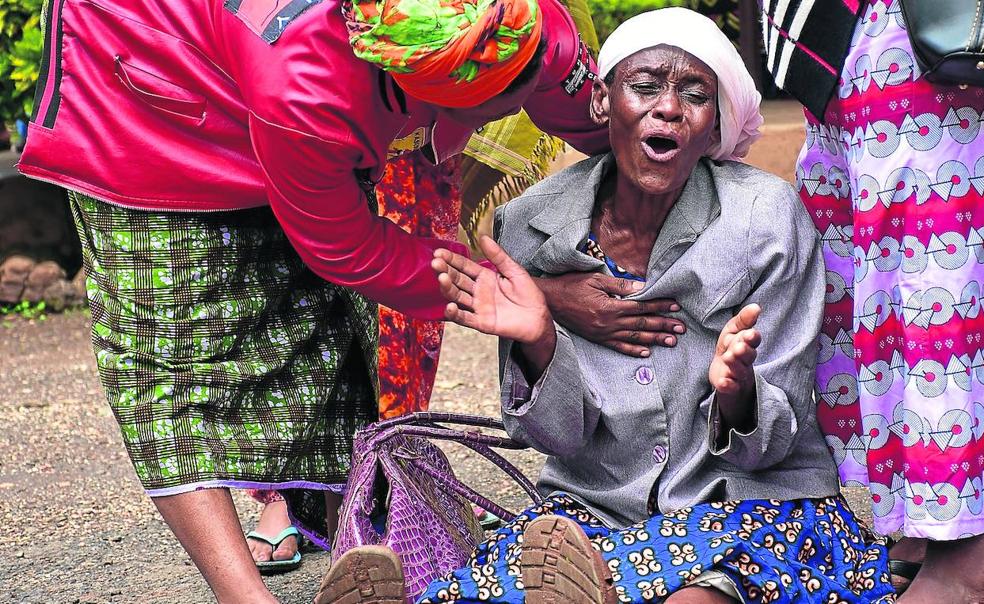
[732, 372]
[755, 422]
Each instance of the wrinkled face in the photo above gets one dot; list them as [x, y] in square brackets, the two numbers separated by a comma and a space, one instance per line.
[498, 107]
[661, 110]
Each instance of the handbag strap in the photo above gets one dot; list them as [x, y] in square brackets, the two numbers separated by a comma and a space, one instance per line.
[441, 433]
[466, 492]
[510, 470]
[434, 417]
[480, 443]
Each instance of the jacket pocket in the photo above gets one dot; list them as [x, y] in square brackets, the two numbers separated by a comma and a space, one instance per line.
[154, 73]
[159, 92]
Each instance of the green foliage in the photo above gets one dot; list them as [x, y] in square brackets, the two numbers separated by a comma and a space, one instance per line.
[607, 14]
[21, 44]
[24, 309]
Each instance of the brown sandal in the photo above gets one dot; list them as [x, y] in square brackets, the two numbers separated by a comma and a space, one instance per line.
[370, 574]
[560, 566]
[903, 571]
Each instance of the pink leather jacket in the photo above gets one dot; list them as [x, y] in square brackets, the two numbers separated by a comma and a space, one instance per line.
[205, 105]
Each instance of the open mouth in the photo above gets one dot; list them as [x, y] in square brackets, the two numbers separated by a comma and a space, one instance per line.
[661, 145]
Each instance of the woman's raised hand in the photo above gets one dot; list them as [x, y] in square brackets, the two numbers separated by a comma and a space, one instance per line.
[731, 370]
[732, 374]
[507, 304]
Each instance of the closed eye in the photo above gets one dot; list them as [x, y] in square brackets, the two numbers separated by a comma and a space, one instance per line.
[646, 88]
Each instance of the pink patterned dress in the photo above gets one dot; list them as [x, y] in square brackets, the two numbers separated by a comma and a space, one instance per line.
[894, 180]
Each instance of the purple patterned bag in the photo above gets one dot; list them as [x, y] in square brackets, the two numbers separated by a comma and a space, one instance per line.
[402, 493]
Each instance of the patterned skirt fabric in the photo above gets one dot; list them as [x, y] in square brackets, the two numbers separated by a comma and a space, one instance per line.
[894, 180]
[803, 552]
[226, 361]
[423, 199]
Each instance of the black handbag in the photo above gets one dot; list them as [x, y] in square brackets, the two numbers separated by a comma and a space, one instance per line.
[947, 39]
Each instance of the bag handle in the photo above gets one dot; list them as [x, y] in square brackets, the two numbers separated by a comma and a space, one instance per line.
[511, 470]
[422, 425]
[466, 492]
[433, 417]
[441, 433]
[480, 443]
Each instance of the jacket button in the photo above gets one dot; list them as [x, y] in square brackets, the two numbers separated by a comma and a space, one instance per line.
[644, 375]
[659, 454]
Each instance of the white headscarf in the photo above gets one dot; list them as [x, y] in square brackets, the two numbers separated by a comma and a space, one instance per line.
[738, 100]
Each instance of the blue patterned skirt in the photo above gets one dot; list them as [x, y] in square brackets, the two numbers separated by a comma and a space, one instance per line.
[778, 552]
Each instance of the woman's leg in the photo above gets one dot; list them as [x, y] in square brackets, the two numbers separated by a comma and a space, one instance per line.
[951, 572]
[206, 524]
[162, 286]
[906, 552]
[493, 573]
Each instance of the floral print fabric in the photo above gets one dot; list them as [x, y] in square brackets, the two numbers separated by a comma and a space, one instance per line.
[779, 552]
[894, 180]
[423, 199]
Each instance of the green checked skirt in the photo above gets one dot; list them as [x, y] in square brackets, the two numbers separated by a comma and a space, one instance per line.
[226, 361]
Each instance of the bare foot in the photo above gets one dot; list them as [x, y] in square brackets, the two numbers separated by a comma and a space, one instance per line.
[273, 519]
[951, 572]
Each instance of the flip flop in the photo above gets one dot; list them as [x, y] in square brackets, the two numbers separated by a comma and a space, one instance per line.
[279, 566]
[904, 569]
[901, 568]
[487, 519]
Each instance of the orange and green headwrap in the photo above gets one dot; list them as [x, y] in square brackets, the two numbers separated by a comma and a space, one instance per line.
[453, 53]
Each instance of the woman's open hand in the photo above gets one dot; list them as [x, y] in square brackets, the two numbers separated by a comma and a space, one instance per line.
[589, 304]
[507, 304]
[731, 374]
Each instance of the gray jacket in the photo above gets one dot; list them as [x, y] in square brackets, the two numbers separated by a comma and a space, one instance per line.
[614, 425]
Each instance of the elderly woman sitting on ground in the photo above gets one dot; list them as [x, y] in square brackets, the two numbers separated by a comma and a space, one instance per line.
[709, 453]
